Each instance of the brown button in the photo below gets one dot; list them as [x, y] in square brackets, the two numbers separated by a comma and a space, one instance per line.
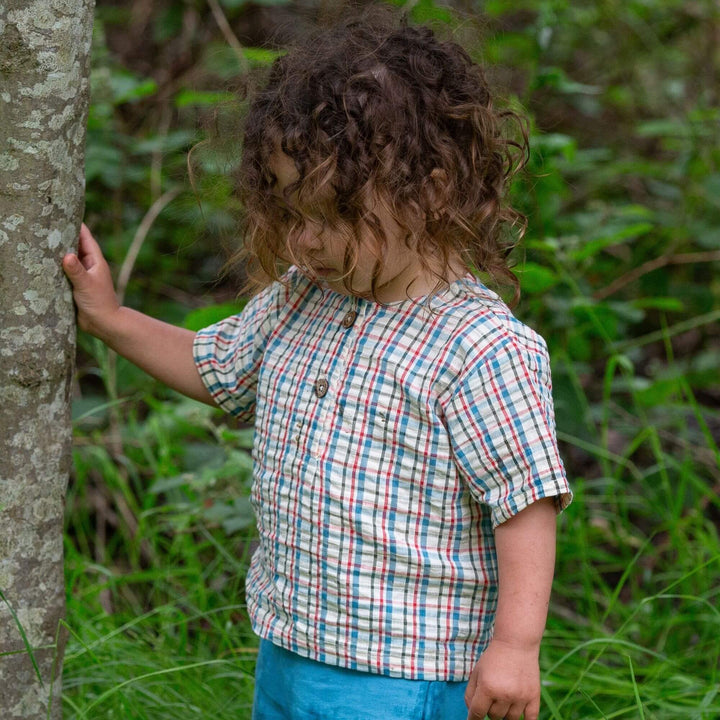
[321, 387]
[349, 319]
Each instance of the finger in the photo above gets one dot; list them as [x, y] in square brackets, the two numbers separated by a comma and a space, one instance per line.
[532, 711]
[470, 689]
[498, 710]
[85, 234]
[73, 267]
[478, 706]
[515, 712]
[88, 250]
[476, 715]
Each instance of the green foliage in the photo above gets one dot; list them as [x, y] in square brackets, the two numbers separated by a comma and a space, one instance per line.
[205, 316]
[619, 273]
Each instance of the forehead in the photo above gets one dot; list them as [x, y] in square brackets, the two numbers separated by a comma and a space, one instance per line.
[306, 197]
[283, 168]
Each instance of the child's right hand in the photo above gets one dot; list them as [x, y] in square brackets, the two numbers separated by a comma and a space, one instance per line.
[162, 350]
[92, 284]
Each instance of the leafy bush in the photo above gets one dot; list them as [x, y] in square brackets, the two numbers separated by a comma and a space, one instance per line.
[619, 273]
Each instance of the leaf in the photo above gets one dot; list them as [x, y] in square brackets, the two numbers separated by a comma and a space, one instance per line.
[187, 98]
[426, 11]
[242, 438]
[596, 245]
[578, 346]
[242, 518]
[222, 61]
[711, 185]
[163, 484]
[535, 278]
[261, 56]
[172, 142]
[660, 392]
[666, 304]
[554, 144]
[706, 234]
[233, 516]
[238, 467]
[92, 411]
[557, 79]
[624, 310]
[206, 316]
[126, 88]
[104, 162]
[202, 456]
[663, 128]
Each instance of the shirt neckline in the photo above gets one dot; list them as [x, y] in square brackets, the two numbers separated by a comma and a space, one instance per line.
[452, 289]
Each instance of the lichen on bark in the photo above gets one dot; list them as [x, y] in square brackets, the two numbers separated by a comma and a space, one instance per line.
[44, 55]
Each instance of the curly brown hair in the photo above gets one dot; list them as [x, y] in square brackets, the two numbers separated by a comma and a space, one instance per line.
[375, 107]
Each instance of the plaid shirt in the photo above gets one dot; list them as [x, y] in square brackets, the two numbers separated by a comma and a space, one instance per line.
[389, 441]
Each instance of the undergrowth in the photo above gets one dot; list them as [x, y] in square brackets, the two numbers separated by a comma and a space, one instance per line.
[619, 273]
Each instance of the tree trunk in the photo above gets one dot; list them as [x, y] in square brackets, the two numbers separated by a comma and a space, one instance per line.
[44, 68]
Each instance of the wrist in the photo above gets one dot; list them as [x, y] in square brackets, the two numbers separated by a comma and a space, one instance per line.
[520, 630]
[518, 641]
[105, 325]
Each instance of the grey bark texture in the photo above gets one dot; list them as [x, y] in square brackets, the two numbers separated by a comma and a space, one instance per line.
[44, 70]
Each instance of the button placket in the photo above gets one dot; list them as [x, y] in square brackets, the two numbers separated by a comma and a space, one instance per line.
[321, 385]
[351, 321]
[298, 431]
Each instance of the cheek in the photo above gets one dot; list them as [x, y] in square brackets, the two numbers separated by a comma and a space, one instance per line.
[305, 237]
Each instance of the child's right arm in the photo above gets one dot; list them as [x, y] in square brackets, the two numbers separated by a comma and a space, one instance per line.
[162, 350]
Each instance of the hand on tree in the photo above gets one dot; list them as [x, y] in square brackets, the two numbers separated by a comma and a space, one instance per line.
[505, 683]
[92, 284]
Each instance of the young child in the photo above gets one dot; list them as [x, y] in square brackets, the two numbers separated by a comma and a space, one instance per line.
[406, 474]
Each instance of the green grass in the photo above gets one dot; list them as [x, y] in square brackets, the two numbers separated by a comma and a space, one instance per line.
[618, 271]
[174, 661]
[634, 630]
[156, 617]
[158, 544]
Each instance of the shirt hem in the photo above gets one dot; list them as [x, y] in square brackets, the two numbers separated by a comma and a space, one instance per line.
[394, 668]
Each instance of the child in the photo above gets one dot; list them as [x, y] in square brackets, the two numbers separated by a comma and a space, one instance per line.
[406, 473]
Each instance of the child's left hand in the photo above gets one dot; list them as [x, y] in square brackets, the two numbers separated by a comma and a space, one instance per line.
[505, 683]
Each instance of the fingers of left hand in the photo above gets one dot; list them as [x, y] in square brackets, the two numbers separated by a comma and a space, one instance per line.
[505, 711]
[498, 710]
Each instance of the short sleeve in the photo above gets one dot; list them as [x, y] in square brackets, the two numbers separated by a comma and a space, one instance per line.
[501, 424]
[229, 353]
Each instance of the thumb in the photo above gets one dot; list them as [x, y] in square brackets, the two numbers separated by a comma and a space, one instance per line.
[73, 267]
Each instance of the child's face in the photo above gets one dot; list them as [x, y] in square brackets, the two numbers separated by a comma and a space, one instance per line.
[323, 252]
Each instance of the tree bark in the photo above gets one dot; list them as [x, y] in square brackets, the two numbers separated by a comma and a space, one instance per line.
[44, 70]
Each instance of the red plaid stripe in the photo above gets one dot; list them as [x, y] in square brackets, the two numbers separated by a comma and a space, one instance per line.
[376, 499]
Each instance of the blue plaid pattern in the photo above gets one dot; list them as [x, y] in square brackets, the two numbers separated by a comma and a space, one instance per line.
[389, 442]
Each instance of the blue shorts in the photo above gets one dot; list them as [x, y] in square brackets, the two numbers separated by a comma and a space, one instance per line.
[290, 687]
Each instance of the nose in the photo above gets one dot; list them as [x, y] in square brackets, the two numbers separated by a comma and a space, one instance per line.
[308, 237]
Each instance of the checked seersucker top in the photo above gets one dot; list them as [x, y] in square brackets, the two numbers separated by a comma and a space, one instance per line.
[389, 441]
